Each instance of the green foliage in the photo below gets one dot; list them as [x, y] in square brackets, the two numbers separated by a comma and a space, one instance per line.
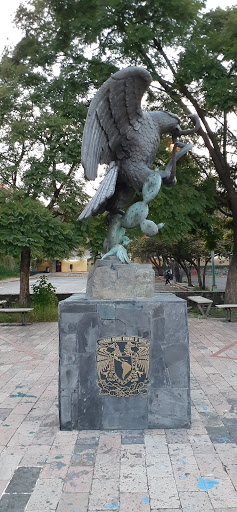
[95, 229]
[188, 206]
[191, 55]
[9, 267]
[26, 222]
[124, 23]
[44, 314]
[5, 274]
[210, 60]
[44, 293]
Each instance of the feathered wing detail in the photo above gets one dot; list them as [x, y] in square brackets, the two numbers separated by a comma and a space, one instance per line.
[104, 192]
[114, 110]
[102, 363]
[143, 360]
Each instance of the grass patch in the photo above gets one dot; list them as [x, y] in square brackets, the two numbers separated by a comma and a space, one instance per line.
[214, 313]
[222, 313]
[47, 313]
[5, 274]
[197, 289]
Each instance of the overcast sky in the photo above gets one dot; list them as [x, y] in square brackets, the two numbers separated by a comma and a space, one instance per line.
[10, 35]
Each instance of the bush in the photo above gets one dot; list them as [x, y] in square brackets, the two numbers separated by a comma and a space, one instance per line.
[44, 293]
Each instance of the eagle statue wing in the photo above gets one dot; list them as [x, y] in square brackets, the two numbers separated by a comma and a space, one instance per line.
[143, 362]
[114, 111]
[102, 362]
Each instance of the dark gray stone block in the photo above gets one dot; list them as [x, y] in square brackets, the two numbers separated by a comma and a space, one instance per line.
[159, 374]
[169, 408]
[112, 328]
[158, 329]
[88, 376]
[162, 320]
[124, 413]
[220, 435]
[14, 502]
[176, 360]
[90, 414]
[23, 480]
[69, 344]
[70, 375]
[65, 411]
[88, 329]
[106, 311]
[133, 437]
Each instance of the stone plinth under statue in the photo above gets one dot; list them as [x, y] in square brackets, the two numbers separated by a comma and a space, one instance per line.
[124, 363]
[111, 279]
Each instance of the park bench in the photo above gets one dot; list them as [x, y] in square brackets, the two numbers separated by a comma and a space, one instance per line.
[22, 311]
[228, 308]
[201, 303]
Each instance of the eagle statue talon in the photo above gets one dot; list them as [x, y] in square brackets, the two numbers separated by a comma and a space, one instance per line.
[119, 251]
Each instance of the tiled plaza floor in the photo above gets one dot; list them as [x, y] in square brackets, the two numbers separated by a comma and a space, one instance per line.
[44, 470]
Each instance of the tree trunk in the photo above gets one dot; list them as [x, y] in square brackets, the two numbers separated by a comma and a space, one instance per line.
[155, 263]
[204, 275]
[24, 296]
[187, 271]
[197, 267]
[231, 283]
[189, 276]
[176, 272]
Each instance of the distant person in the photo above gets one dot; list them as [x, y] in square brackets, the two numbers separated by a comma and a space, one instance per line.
[167, 277]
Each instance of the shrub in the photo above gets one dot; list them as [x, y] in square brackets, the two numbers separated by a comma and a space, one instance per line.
[44, 293]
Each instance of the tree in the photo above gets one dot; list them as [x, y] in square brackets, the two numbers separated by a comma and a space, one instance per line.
[193, 227]
[41, 127]
[191, 55]
[29, 230]
[189, 252]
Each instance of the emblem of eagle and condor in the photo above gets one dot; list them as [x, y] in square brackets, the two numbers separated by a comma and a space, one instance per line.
[122, 365]
[120, 134]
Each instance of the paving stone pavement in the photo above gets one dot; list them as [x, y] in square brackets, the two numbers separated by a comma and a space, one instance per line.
[44, 470]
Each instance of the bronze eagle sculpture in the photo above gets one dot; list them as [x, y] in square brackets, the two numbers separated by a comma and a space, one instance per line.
[120, 134]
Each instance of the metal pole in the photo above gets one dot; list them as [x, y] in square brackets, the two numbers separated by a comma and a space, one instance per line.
[214, 287]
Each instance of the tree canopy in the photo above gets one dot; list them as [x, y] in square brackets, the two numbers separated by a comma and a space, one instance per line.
[41, 124]
[71, 46]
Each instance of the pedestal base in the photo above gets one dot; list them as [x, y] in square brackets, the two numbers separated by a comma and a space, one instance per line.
[106, 348]
[111, 279]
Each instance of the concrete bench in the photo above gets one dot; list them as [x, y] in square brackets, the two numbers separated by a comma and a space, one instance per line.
[228, 308]
[22, 311]
[201, 303]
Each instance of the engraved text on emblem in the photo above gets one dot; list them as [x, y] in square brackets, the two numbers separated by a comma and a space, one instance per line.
[122, 365]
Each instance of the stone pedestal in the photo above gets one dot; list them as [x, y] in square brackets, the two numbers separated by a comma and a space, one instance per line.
[110, 344]
[111, 279]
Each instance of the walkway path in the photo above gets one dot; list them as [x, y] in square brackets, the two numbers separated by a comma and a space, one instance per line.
[74, 283]
[45, 470]
[63, 284]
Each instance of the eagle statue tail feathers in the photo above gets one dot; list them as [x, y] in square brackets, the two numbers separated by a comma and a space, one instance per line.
[104, 192]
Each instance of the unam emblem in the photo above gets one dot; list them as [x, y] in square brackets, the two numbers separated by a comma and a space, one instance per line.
[122, 365]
